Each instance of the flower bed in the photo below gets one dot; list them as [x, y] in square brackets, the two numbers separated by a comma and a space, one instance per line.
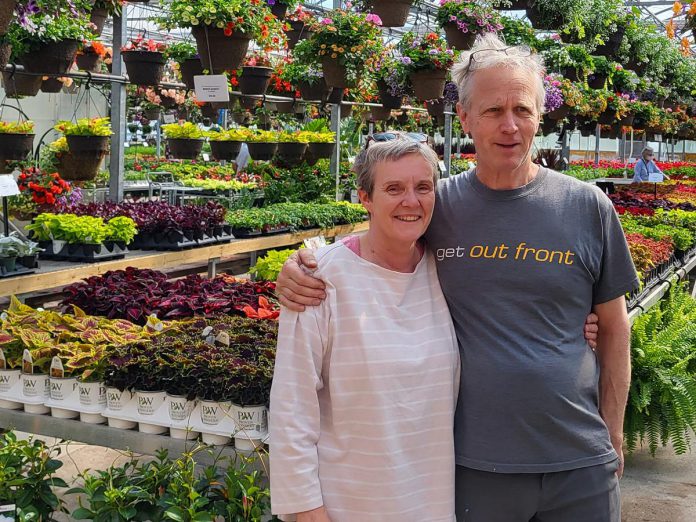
[135, 294]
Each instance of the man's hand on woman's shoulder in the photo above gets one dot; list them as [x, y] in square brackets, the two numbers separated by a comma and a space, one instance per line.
[295, 288]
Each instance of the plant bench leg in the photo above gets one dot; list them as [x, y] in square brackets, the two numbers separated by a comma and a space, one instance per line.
[212, 267]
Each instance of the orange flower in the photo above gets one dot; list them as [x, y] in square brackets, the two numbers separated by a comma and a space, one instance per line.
[670, 29]
[677, 8]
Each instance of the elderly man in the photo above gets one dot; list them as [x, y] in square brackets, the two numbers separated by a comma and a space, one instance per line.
[523, 255]
[646, 166]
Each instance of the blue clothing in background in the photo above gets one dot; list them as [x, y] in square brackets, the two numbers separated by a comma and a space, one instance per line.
[643, 169]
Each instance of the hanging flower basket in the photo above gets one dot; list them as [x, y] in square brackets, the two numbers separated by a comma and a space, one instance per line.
[226, 52]
[248, 102]
[428, 84]
[5, 51]
[182, 148]
[262, 151]
[83, 166]
[388, 100]
[189, 68]
[548, 126]
[627, 120]
[51, 85]
[88, 144]
[313, 91]
[560, 113]
[611, 47]
[436, 109]
[51, 58]
[380, 113]
[144, 67]
[321, 150]
[291, 153]
[284, 107]
[6, 14]
[18, 84]
[393, 13]
[346, 111]
[541, 20]
[152, 114]
[225, 150]
[335, 74]
[208, 111]
[597, 81]
[606, 118]
[457, 39]
[279, 10]
[298, 31]
[15, 147]
[98, 17]
[255, 79]
[638, 124]
[88, 62]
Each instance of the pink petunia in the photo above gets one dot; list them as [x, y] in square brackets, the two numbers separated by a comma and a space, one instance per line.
[375, 19]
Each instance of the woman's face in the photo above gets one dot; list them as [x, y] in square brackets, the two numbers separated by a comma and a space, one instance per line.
[647, 156]
[402, 200]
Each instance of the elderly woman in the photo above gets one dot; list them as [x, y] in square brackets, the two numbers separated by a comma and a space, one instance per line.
[365, 384]
[523, 254]
[646, 166]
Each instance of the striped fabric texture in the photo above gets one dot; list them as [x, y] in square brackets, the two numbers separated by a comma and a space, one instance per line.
[363, 397]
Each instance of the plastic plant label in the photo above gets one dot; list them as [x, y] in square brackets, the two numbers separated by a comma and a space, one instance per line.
[206, 156]
[211, 88]
[8, 185]
[251, 421]
[27, 363]
[153, 323]
[57, 370]
[8, 513]
[315, 242]
[223, 338]
[169, 118]
[207, 331]
[3, 316]
[3, 361]
[210, 340]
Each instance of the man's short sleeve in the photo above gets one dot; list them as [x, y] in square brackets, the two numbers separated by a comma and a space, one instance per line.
[617, 273]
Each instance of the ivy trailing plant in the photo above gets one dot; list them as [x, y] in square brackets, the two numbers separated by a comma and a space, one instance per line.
[662, 399]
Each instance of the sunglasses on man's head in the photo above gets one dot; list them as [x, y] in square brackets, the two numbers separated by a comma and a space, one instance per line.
[380, 137]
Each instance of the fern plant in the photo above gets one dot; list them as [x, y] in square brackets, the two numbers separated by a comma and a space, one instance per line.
[662, 398]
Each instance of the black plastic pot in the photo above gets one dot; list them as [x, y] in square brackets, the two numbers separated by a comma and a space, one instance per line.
[98, 17]
[182, 148]
[380, 113]
[15, 147]
[18, 84]
[189, 68]
[262, 151]
[388, 101]
[226, 52]
[560, 113]
[284, 107]
[51, 58]
[225, 150]
[317, 151]
[611, 47]
[335, 73]
[78, 144]
[543, 21]
[291, 152]
[428, 84]
[80, 166]
[88, 62]
[51, 85]
[144, 67]
[457, 39]
[152, 114]
[316, 91]
[279, 9]
[597, 81]
[548, 126]
[255, 80]
[606, 118]
[298, 31]
[31, 261]
[393, 13]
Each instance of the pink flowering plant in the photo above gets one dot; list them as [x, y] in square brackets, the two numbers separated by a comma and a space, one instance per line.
[469, 17]
[428, 51]
[140, 43]
[554, 94]
[392, 71]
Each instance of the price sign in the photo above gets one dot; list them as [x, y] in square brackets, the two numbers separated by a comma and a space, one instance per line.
[8, 185]
[656, 177]
[211, 88]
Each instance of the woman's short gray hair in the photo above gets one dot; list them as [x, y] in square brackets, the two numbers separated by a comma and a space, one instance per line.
[391, 150]
[499, 55]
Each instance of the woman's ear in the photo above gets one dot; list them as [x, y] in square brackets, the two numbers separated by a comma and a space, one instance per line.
[365, 200]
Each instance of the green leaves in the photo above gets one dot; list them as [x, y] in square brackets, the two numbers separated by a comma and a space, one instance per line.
[82, 229]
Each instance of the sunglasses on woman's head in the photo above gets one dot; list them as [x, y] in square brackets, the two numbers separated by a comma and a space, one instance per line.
[381, 137]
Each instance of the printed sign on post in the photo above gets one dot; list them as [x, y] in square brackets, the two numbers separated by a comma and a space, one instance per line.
[656, 177]
[169, 118]
[211, 88]
[8, 185]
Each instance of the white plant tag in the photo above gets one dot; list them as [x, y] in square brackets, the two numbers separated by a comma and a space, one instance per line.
[223, 338]
[27, 363]
[315, 242]
[57, 370]
[3, 361]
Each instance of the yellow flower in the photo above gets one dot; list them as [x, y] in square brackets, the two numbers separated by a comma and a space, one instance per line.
[340, 49]
[333, 55]
[323, 46]
[676, 8]
[352, 49]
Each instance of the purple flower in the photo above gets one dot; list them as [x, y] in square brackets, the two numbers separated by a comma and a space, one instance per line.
[271, 2]
[406, 60]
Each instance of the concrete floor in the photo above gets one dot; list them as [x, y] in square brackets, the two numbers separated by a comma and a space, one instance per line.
[659, 489]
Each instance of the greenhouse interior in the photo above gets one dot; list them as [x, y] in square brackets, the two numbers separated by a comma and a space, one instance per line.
[170, 169]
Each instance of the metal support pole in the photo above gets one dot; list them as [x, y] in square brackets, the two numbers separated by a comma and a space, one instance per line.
[448, 140]
[598, 136]
[565, 147]
[158, 136]
[118, 112]
[671, 156]
[623, 146]
[336, 157]
[684, 150]
[659, 149]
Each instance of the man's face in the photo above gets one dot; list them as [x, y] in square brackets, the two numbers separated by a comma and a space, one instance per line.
[502, 118]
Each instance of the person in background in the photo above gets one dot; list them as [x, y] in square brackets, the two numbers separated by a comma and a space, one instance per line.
[646, 166]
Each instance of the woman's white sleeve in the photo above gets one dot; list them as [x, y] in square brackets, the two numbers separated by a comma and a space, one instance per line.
[294, 419]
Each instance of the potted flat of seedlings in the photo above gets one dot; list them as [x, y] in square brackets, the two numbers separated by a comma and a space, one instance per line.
[262, 144]
[88, 143]
[184, 140]
[225, 145]
[246, 222]
[16, 141]
[464, 21]
[223, 29]
[256, 74]
[144, 61]
[427, 60]
[185, 55]
[291, 147]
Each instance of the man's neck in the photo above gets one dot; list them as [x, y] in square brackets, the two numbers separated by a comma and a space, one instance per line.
[496, 180]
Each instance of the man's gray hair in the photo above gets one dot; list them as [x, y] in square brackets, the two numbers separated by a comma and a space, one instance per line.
[391, 150]
[491, 52]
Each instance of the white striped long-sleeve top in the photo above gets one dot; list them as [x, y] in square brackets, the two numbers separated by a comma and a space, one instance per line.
[363, 397]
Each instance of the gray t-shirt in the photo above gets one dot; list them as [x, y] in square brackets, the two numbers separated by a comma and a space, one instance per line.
[520, 270]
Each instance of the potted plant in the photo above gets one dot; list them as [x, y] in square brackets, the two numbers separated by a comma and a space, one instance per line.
[280, 7]
[225, 145]
[10, 248]
[262, 145]
[291, 147]
[101, 10]
[322, 141]
[89, 57]
[74, 166]
[185, 140]
[87, 136]
[185, 55]
[392, 81]
[305, 73]
[554, 107]
[556, 14]
[427, 60]
[298, 26]
[224, 28]
[144, 60]
[344, 41]
[463, 21]
[16, 141]
[256, 74]
[580, 62]
[602, 69]
[38, 191]
[392, 13]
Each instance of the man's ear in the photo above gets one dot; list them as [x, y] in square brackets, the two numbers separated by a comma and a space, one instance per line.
[463, 117]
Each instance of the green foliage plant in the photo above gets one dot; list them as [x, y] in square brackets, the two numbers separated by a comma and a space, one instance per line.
[10, 127]
[268, 267]
[180, 51]
[85, 127]
[82, 229]
[186, 130]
